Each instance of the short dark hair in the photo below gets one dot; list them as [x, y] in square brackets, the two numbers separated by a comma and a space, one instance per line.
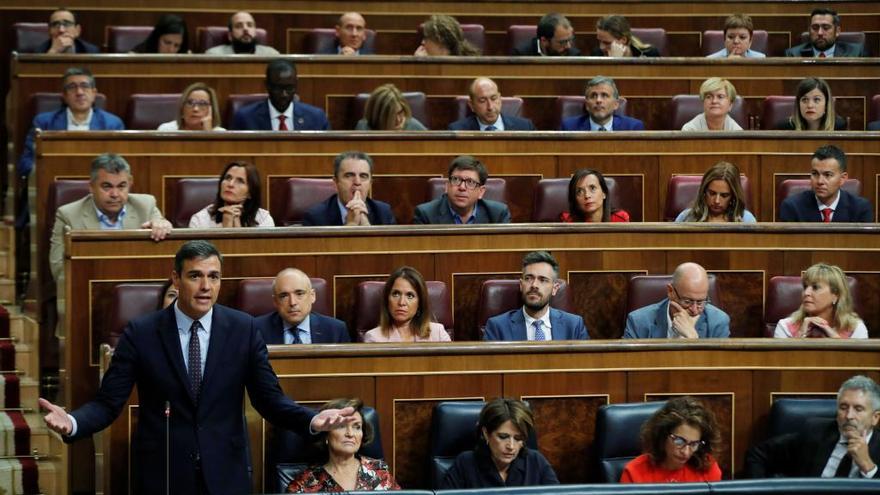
[501, 410]
[541, 257]
[280, 65]
[358, 405]
[229, 22]
[251, 205]
[468, 162]
[547, 25]
[78, 71]
[110, 163]
[831, 151]
[574, 208]
[351, 155]
[197, 249]
[65, 9]
[826, 11]
[681, 410]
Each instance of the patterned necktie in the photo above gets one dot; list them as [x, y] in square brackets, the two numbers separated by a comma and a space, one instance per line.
[195, 360]
[282, 125]
[491, 128]
[539, 332]
[295, 332]
[601, 128]
[826, 215]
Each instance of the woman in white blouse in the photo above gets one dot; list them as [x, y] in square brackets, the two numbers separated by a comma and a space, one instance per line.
[718, 96]
[237, 203]
[197, 110]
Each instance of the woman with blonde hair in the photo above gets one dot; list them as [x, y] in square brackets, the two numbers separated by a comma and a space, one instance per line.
[406, 311]
[826, 308]
[197, 110]
[720, 198]
[718, 96]
[617, 40]
[388, 110]
[442, 35]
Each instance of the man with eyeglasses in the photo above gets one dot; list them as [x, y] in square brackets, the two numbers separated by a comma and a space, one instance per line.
[293, 321]
[242, 38]
[280, 112]
[463, 201]
[824, 30]
[536, 320]
[555, 37]
[64, 33]
[352, 204]
[686, 312]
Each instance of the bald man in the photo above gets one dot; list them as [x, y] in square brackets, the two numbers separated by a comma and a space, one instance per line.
[293, 321]
[685, 313]
[351, 32]
[485, 103]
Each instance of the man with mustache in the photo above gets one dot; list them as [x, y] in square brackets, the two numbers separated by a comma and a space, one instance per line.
[536, 320]
[824, 30]
[242, 38]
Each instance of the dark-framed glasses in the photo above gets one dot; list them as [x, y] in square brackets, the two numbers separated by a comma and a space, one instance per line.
[681, 442]
[469, 184]
[85, 86]
[687, 303]
[197, 103]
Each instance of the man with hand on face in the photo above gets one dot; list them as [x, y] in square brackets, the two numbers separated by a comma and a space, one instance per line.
[280, 112]
[555, 38]
[536, 320]
[242, 38]
[602, 100]
[463, 201]
[824, 30]
[485, 101]
[64, 31]
[685, 313]
[352, 205]
[351, 32]
[293, 321]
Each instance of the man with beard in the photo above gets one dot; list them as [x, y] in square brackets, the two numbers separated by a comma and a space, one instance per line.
[824, 30]
[536, 320]
[242, 38]
[602, 100]
[280, 112]
[555, 38]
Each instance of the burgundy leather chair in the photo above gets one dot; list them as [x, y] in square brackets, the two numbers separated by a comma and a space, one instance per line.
[496, 188]
[303, 193]
[234, 102]
[784, 294]
[49, 102]
[551, 198]
[473, 33]
[501, 295]
[776, 110]
[417, 101]
[518, 34]
[643, 290]
[147, 111]
[510, 105]
[28, 36]
[573, 106]
[127, 302]
[61, 192]
[682, 189]
[323, 41]
[255, 296]
[790, 187]
[653, 36]
[368, 301]
[211, 36]
[191, 195]
[122, 39]
[714, 41]
[682, 108]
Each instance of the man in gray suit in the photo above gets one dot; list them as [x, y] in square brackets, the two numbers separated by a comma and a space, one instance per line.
[684, 313]
[463, 201]
[824, 30]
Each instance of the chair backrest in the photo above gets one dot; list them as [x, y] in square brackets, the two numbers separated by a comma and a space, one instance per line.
[682, 108]
[653, 36]
[417, 101]
[500, 295]
[510, 105]
[191, 195]
[874, 108]
[784, 295]
[496, 188]
[368, 303]
[643, 290]
[475, 34]
[50, 102]
[682, 189]
[123, 39]
[147, 111]
[61, 192]
[618, 428]
[127, 302]
[255, 296]
[551, 198]
[573, 106]
[518, 34]
[789, 415]
[211, 36]
[303, 193]
[714, 41]
[776, 110]
[323, 41]
[790, 187]
[235, 102]
[28, 36]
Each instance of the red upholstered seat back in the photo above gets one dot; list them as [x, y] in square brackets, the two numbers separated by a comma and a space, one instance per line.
[192, 194]
[510, 105]
[147, 111]
[302, 193]
[643, 290]
[573, 106]
[28, 36]
[323, 40]
[517, 35]
[714, 41]
[784, 295]
[682, 108]
[211, 36]
[473, 33]
[655, 37]
[501, 295]
[368, 301]
[123, 39]
[129, 301]
[417, 101]
[551, 198]
[235, 102]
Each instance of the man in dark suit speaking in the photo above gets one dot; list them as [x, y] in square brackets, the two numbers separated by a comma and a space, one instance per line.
[536, 320]
[192, 363]
[485, 101]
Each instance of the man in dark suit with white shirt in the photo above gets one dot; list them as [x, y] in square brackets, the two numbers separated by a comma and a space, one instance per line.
[280, 112]
[601, 100]
[823, 30]
[485, 101]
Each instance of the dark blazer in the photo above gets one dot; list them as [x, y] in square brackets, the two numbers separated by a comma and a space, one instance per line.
[512, 326]
[842, 49]
[802, 454]
[57, 121]
[79, 45]
[475, 469]
[327, 213]
[211, 432]
[618, 123]
[649, 322]
[788, 124]
[530, 49]
[437, 211]
[324, 330]
[511, 123]
[334, 50]
[255, 117]
[874, 126]
[650, 52]
[803, 208]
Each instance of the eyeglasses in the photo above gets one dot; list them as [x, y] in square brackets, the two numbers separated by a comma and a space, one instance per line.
[469, 184]
[197, 103]
[681, 443]
[687, 303]
[85, 86]
[58, 24]
[566, 41]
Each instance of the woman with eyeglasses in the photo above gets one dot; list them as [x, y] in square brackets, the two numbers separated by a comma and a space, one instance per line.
[826, 308]
[406, 311]
[718, 96]
[197, 110]
[719, 199]
[678, 442]
[589, 201]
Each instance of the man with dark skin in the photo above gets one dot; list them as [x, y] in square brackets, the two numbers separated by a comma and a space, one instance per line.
[280, 112]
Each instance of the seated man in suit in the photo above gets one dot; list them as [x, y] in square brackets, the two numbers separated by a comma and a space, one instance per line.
[242, 38]
[826, 201]
[846, 448]
[351, 31]
[463, 201]
[293, 321]
[536, 320]
[351, 205]
[602, 100]
[685, 313]
[485, 101]
[64, 31]
[280, 112]
[824, 30]
[555, 37]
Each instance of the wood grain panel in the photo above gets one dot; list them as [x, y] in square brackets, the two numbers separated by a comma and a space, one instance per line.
[602, 295]
[561, 437]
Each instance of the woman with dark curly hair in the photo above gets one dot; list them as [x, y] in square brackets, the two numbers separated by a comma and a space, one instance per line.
[589, 201]
[442, 35]
[237, 203]
[678, 441]
[168, 36]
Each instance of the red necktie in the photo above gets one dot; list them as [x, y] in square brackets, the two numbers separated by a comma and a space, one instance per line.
[826, 215]
[821, 54]
[282, 126]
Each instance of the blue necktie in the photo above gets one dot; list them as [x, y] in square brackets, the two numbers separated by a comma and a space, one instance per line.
[491, 128]
[295, 332]
[539, 332]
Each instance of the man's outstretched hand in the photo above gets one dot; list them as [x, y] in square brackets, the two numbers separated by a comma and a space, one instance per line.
[56, 419]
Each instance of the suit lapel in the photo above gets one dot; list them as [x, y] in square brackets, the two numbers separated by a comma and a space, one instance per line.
[841, 214]
[518, 325]
[219, 336]
[557, 331]
[315, 329]
[482, 212]
[659, 328]
[170, 338]
[443, 214]
[89, 214]
[827, 442]
[333, 212]
[276, 328]
[703, 325]
[262, 115]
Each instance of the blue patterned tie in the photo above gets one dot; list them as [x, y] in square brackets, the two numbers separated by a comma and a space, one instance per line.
[195, 360]
[491, 128]
[539, 332]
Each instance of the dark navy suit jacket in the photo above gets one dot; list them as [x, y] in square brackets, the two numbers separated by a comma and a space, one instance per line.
[327, 213]
[803, 208]
[255, 117]
[324, 330]
[475, 469]
[842, 49]
[530, 49]
[512, 326]
[437, 211]
[511, 123]
[874, 126]
[81, 46]
[209, 432]
[618, 123]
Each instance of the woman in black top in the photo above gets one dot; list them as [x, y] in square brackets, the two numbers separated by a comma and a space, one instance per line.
[813, 108]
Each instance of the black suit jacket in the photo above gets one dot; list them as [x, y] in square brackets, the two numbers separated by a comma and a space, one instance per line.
[256, 117]
[803, 208]
[327, 213]
[81, 46]
[437, 211]
[511, 123]
[800, 455]
[842, 49]
[530, 49]
[210, 433]
[324, 330]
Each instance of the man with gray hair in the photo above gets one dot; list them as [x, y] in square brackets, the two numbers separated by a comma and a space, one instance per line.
[847, 447]
[601, 101]
[352, 205]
